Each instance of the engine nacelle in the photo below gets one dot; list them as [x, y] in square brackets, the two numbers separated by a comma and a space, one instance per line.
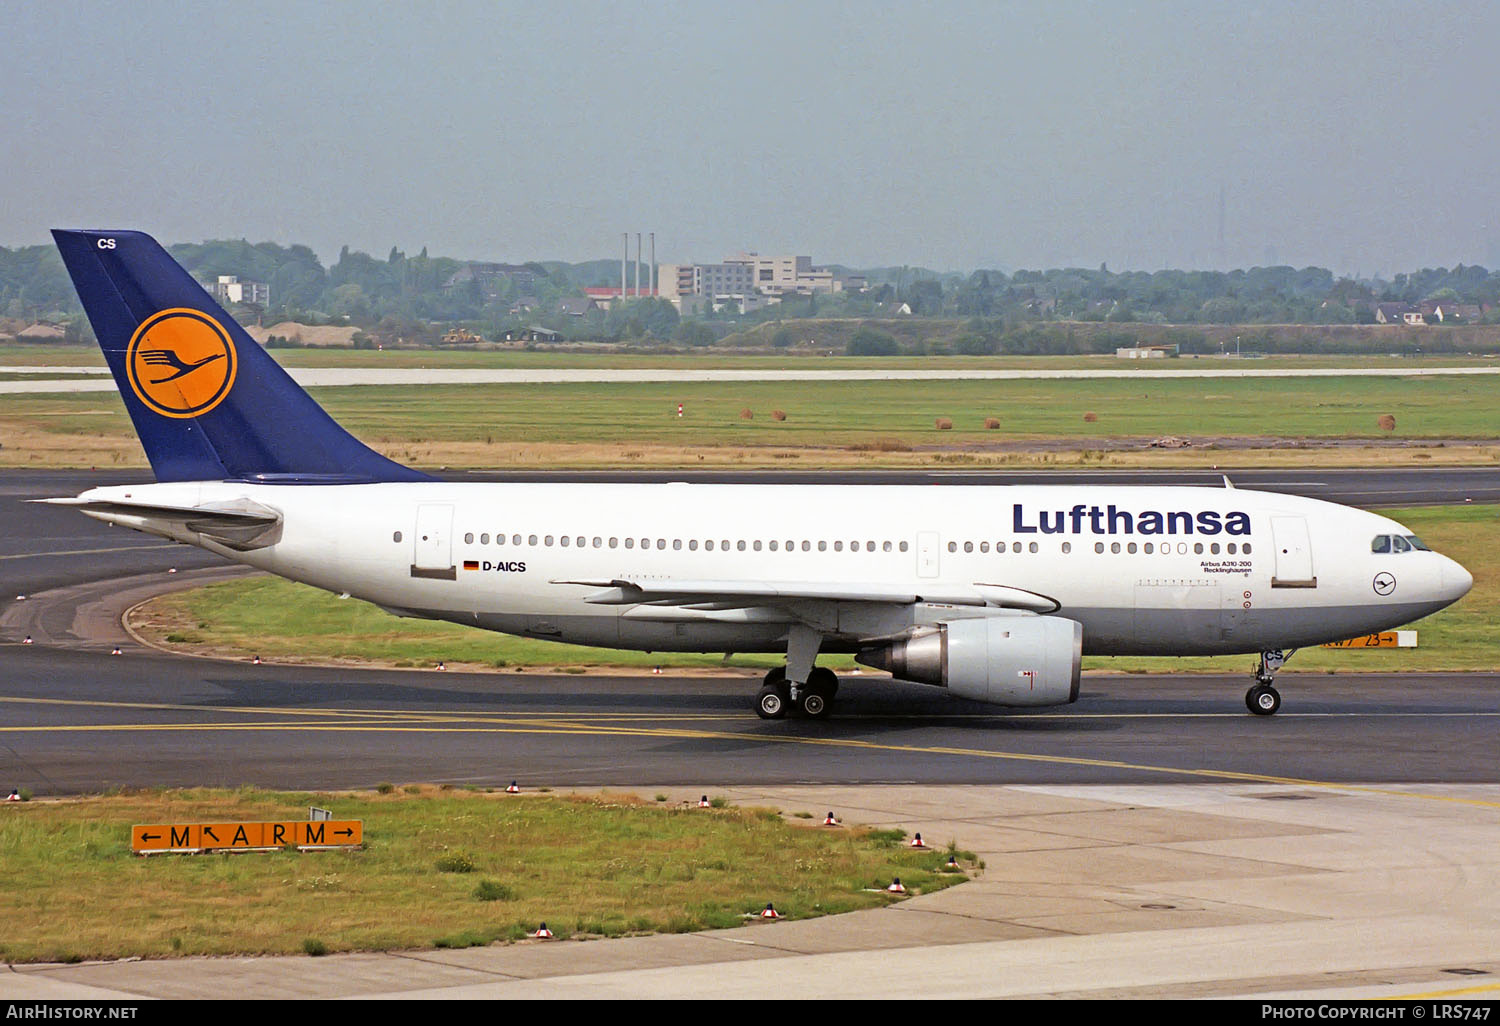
[1003, 660]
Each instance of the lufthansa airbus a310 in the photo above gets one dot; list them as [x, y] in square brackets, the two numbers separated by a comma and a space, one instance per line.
[994, 593]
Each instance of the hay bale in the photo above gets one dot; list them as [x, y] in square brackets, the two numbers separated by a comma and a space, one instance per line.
[747, 414]
[778, 415]
[1387, 422]
[944, 424]
[991, 423]
[1090, 417]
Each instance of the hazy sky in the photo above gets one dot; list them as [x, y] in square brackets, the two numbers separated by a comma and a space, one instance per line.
[1356, 136]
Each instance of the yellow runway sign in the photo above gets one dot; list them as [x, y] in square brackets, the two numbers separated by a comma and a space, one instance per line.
[193, 837]
[1385, 639]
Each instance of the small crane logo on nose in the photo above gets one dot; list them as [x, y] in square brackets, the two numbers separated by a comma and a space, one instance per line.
[1384, 583]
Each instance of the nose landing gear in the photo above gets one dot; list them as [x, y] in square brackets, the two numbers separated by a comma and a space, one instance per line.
[1263, 699]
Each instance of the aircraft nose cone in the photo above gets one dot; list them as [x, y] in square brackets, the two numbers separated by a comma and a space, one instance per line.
[1456, 580]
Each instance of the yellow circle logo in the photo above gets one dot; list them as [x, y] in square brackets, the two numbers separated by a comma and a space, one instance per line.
[181, 363]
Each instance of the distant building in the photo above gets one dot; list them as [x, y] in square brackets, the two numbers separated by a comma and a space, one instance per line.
[532, 334]
[1157, 352]
[606, 296]
[747, 279]
[1398, 313]
[491, 279]
[576, 306]
[229, 289]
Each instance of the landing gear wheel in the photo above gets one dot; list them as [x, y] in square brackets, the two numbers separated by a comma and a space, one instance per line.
[1263, 700]
[772, 702]
[775, 677]
[816, 697]
[815, 705]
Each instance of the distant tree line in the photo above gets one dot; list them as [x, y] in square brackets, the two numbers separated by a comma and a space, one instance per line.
[414, 298]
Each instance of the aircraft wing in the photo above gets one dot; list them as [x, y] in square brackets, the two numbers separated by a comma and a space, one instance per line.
[730, 594]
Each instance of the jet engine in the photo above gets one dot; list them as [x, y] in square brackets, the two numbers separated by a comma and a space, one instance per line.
[1003, 660]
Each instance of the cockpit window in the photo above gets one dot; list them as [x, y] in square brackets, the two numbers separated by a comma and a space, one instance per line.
[1398, 544]
[1386, 543]
[1417, 543]
[1382, 543]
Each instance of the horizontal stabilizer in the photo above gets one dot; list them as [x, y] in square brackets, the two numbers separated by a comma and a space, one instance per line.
[240, 524]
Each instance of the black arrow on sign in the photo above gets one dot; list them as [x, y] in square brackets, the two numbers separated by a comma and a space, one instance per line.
[209, 833]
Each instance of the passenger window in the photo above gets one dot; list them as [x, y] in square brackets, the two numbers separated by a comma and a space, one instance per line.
[1067, 547]
[1032, 546]
[984, 546]
[469, 538]
[773, 545]
[676, 545]
[614, 542]
[1016, 547]
[740, 545]
[661, 543]
[903, 546]
[548, 541]
[1245, 549]
[1114, 547]
[1198, 548]
[396, 536]
[1382, 543]
[563, 541]
[1098, 546]
[1130, 548]
[952, 546]
[484, 539]
[838, 546]
[1146, 548]
[630, 543]
[968, 546]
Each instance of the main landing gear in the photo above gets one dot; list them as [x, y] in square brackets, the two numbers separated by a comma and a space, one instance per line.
[1263, 699]
[799, 685]
[814, 699]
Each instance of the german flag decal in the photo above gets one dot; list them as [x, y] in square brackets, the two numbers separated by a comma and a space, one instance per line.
[471, 564]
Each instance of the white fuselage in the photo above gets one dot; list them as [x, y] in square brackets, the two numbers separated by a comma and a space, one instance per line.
[1145, 570]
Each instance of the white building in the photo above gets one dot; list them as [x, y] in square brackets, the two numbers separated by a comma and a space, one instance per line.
[748, 279]
[229, 289]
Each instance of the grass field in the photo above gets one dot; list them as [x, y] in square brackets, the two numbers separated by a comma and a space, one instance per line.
[876, 423]
[280, 620]
[439, 868]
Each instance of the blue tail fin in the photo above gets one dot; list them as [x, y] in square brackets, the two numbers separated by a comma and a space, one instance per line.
[207, 401]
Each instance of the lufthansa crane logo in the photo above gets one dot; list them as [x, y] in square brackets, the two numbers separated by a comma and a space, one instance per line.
[181, 363]
[1384, 583]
